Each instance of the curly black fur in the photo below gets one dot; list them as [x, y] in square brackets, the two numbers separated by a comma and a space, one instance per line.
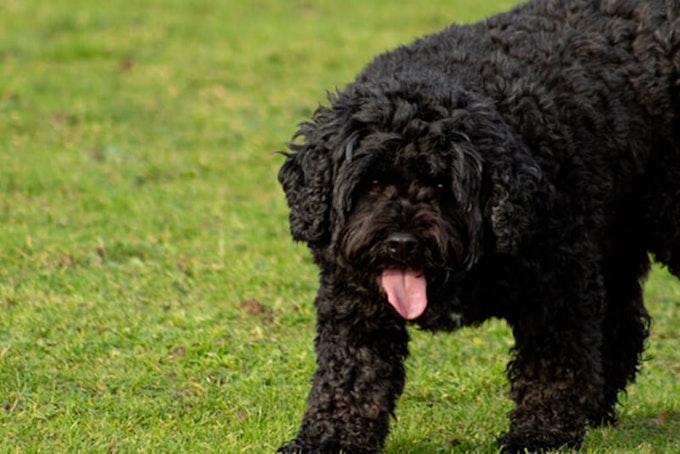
[525, 166]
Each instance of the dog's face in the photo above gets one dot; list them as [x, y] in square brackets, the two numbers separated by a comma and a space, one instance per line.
[405, 231]
[405, 189]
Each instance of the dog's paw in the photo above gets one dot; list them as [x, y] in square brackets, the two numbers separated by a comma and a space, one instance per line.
[537, 442]
[295, 447]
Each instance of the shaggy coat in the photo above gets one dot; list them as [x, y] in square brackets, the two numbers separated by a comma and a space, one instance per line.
[523, 167]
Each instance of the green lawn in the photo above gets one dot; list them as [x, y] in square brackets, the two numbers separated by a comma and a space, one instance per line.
[151, 299]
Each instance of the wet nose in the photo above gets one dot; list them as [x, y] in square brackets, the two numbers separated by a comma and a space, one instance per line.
[402, 245]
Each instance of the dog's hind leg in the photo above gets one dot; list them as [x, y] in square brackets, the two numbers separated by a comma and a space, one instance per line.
[359, 376]
[626, 323]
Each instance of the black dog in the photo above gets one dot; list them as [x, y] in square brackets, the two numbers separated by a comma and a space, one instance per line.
[523, 168]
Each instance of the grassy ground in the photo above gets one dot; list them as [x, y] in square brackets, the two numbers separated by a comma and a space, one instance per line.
[150, 297]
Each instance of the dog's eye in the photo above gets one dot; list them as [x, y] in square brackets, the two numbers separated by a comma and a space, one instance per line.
[440, 186]
[376, 185]
[381, 182]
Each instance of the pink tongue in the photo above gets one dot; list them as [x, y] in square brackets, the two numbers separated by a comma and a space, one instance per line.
[406, 291]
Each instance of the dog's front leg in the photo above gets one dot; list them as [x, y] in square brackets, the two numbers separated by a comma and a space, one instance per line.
[359, 376]
[556, 375]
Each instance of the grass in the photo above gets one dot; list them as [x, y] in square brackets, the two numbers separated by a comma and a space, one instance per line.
[150, 297]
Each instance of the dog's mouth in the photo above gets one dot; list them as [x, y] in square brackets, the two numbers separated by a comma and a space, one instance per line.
[406, 291]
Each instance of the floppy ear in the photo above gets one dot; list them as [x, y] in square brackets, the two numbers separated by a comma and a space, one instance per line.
[306, 177]
[466, 181]
[512, 185]
[495, 177]
[309, 173]
[516, 189]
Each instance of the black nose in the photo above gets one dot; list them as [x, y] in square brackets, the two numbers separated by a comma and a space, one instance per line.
[402, 246]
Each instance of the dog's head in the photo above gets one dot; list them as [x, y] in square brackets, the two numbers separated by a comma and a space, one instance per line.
[408, 187]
